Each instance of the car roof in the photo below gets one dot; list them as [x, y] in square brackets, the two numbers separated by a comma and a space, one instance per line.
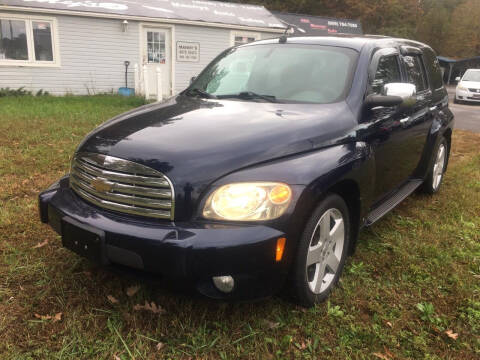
[356, 42]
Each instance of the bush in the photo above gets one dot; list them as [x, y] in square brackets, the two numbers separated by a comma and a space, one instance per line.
[4, 92]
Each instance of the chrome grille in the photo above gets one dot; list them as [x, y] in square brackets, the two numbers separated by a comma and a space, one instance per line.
[122, 185]
[474, 90]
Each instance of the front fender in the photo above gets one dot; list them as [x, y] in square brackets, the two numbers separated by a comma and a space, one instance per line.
[311, 175]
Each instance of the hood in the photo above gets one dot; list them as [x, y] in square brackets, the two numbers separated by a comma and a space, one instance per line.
[196, 141]
[470, 84]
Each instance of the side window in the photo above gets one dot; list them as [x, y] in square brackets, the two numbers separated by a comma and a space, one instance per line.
[387, 72]
[433, 68]
[416, 72]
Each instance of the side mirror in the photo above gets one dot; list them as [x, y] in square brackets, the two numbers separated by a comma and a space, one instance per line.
[458, 78]
[193, 78]
[393, 94]
[405, 91]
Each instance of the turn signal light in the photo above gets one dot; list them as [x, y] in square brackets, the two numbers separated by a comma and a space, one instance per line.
[280, 194]
[280, 248]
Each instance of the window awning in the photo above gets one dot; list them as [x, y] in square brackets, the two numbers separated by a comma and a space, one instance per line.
[192, 10]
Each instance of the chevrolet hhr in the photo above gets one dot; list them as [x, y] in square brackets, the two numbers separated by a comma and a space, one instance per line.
[259, 176]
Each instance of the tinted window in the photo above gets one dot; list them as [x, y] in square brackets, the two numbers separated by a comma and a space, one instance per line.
[388, 71]
[415, 72]
[433, 68]
[291, 73]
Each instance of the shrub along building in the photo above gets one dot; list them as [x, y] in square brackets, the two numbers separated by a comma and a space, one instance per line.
[83, 47]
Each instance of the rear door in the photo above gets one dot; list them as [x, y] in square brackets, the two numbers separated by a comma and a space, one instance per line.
[438, 105]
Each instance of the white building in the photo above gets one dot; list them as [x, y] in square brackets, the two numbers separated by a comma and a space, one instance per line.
[80, 47]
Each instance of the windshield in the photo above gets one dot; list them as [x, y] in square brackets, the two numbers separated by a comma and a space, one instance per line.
[280, 72]
[471, 76]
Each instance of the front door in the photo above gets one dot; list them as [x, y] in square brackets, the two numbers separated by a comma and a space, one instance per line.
[397, 133]
[157, 52]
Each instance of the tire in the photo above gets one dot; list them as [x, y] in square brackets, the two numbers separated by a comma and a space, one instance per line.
[434, 178]
[321, 251]
[455, 101]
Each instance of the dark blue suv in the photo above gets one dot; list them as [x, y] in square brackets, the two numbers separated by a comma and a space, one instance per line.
[262, 172]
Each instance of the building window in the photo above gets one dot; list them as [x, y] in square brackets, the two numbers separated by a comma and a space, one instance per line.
[28, 41]
[241, 38]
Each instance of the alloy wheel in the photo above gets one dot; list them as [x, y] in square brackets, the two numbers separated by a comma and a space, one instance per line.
[439, 166]
[325, 251]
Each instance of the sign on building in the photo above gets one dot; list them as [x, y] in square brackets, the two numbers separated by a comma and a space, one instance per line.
[188, 51]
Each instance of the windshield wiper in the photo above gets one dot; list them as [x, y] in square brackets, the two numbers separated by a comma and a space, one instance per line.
[199, 92]
[248, 95]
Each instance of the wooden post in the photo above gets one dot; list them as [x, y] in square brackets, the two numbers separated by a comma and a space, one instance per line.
[146, 89]
[159, 84]
[450, 66]
[136, 75]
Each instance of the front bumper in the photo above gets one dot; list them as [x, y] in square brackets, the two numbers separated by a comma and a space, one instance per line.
[187, 253]
[464, 95]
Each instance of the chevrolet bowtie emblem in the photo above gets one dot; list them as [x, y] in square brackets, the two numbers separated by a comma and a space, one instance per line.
[101, 185]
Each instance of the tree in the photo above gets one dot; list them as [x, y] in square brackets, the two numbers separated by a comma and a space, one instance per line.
[451, 27]
[464, 34]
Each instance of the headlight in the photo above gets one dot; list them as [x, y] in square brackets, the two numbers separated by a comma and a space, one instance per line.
[462, 88]
[248, 201]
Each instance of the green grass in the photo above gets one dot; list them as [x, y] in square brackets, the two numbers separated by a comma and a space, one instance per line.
[415, 275]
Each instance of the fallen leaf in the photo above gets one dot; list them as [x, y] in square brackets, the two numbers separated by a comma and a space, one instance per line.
[451, 334]
[115, 357]
[57, 317]
[271, 324]
[132, 290]
[39, 245]
[381, 356]
[159, 346]
[156, 309]
[42, 317]
[301, 346]
[388, 352]
[22, 288]
[112, 299]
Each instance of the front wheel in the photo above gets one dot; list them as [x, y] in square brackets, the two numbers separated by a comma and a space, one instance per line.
[322, 251]
[437, 170]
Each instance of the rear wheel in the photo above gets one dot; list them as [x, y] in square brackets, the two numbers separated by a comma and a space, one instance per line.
[322, 251]
[437, 170]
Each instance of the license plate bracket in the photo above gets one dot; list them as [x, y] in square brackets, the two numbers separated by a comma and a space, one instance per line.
[84, 240]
